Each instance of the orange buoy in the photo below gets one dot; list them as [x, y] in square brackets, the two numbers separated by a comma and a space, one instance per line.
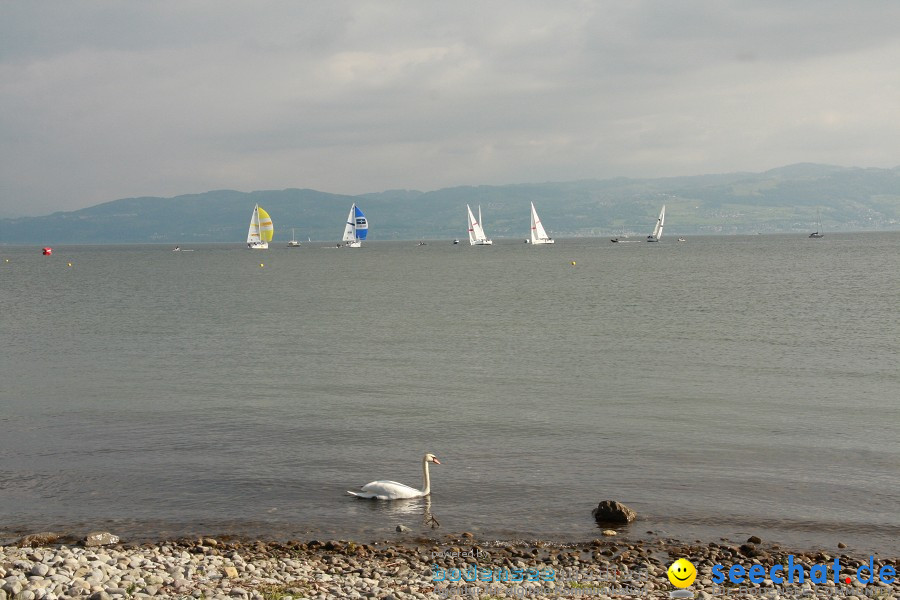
[48, 251]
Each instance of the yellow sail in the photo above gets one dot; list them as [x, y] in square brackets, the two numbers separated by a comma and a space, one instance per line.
[266, 230]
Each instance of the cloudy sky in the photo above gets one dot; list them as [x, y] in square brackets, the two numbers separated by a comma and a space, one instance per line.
[104, 100]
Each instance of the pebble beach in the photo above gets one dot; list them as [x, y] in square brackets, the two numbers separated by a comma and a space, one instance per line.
[41, 567]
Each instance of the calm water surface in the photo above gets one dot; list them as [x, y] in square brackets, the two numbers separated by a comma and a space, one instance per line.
[725, 386]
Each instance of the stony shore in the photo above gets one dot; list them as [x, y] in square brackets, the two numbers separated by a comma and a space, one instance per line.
[41, 568]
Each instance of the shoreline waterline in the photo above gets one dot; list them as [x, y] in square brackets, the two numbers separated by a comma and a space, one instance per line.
[402, 537]
[877, 539]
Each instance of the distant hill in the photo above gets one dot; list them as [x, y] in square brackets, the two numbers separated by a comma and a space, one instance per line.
[780, 200]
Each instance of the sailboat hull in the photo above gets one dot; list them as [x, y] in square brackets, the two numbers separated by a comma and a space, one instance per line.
[538, 242]
[258, 245]
[481, 242]
[815, 234]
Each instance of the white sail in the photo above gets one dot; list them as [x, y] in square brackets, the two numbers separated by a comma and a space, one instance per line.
[476, 231]
[349, 227]
[356, 228]
[658, 228]
[261, 229]
[253, 232]
[538, 233]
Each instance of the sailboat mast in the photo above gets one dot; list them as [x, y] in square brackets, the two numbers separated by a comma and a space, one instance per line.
[533, 225]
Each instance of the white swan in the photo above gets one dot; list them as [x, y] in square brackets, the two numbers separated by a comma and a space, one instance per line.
[391, 490]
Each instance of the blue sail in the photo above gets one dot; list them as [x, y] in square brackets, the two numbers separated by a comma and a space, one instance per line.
[362, 226]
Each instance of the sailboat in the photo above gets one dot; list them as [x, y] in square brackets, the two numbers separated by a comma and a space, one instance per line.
[261, 230]
[293, 243]
[538, 233]
[476, 231]
[816, 234]
[658, 228]
[356, 228]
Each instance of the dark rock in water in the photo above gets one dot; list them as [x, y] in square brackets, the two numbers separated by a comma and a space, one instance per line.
[402, 528]
[754, 540]
[610, 511]
[100, 538]
[34, 540]
[842, 545]
[750, 551]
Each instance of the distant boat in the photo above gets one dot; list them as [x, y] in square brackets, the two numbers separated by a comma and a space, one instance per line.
[476, 231]
[816, 234]
[538, 233]
[455, 242]
[658, 228]
[624, 234]
[293, 243]
[356, 229]
[261, 229]
[180, 249]
[681, 239]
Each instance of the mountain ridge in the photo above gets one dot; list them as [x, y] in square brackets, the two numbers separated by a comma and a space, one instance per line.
[783, 199]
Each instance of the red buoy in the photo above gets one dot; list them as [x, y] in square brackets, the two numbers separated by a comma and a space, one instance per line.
[48, 251]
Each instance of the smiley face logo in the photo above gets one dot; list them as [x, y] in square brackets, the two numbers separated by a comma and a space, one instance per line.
[682, 573]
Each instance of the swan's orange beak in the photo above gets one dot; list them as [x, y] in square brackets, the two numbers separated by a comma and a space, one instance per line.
[435, 461]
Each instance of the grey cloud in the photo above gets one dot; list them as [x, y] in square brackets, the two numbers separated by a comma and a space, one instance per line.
[105, 100]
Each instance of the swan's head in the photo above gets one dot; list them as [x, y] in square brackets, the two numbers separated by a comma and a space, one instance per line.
[431, 458]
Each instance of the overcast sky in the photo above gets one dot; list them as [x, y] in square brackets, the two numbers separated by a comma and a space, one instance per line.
[106, 100]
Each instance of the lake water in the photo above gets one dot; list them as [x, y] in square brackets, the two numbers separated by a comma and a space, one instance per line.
[721, 387]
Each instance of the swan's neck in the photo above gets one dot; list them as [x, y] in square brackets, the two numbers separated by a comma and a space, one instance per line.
[426, 480]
